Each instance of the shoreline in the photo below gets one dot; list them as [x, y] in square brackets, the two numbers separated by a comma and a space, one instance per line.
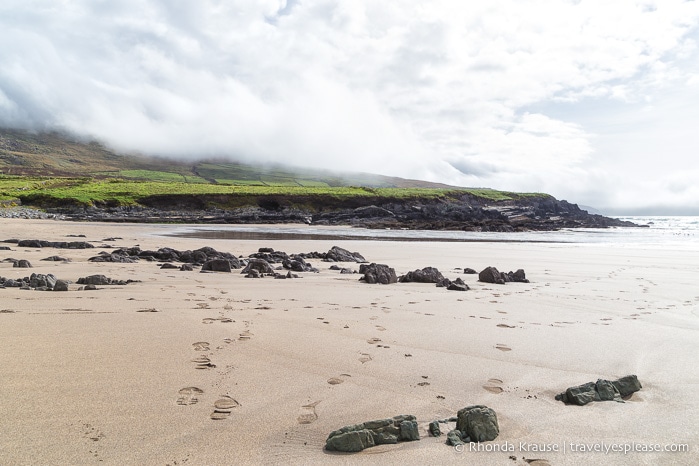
[102, 376]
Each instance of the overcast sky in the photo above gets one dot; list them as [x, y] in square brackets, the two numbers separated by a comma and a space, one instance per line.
[593, 101]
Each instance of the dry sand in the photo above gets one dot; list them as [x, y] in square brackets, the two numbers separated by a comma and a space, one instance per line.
[91, 376]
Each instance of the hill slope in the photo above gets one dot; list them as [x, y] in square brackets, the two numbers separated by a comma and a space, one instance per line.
[53, 154]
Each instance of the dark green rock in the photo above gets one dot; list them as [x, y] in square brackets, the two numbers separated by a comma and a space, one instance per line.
[454, 438]
[478, 422]
[627, 385]
[607, 391]
[435, 431]
[582, 394]
[409, 431]
[350, 442]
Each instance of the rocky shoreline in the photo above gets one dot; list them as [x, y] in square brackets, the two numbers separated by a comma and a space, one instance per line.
[466, 213]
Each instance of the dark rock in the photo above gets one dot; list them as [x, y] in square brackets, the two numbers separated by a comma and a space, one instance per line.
[266, 250]
[186, 268]
[458, 285]
[350, 442]
[22, 264]
[338, 254]
[56, 259]
[354, 438]
[378, 273]
[334, 267]
[518, 276]
[260, 265]
[443, 283]
[469, 271]
[454, 438]
[89, 287]
[602, 390]
[491, 275]
[435, 431]
[606, 390]
[253, 274]
[114, 257]
[627, 385]
[94, 280]
[345, 270]
[168, 265]
[61, 285]
[426, 275]
[479, 423]
[216, 265]
[582, 394]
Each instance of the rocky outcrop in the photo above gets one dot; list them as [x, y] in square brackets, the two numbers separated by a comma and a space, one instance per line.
[477, 424]
[36, 243]
[216, 265]
[261, 266]
[602, 390]
[378, 273]
[355, 438]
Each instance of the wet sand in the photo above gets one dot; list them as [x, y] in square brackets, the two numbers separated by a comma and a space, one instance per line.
[194, 368]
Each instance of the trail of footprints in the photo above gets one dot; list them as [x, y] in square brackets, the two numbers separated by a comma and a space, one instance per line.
[225, 404]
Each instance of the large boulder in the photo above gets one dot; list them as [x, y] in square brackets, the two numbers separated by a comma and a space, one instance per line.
[338, 254]
[378, 273]
[426, 275]
[491, 275]
[61, 285]
[216, 265]
[478, 423]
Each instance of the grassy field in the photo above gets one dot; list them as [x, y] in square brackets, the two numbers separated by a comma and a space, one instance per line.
[117, 191]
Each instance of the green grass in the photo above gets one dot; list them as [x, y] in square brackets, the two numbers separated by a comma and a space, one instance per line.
[116, 191]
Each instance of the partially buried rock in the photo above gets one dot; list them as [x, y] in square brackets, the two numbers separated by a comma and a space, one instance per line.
[94, 280]
[186, 268]
[378, 273]
[602, 390]
[478, 423]
[22, 264]
[355, 438]
[434, 429]
[469, 271]
[458, 285]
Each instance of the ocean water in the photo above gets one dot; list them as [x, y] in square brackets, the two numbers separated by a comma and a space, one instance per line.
[677, 232]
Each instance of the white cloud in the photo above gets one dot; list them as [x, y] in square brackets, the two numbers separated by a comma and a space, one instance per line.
[405, 88]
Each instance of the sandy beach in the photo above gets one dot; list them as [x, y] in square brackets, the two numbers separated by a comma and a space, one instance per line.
[132, 374]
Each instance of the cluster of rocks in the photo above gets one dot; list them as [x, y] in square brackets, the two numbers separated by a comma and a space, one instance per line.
[49, 282]
[473, 424]
[492, 275]
[37, 243]
[355, 438]
[602, 390]
[433, 275]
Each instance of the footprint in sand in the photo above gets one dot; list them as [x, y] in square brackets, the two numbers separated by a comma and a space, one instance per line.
[494, 386]
[338, 380]
[380, 328]
[365, 357]
[537, 462]
[188, 396]
[505, 326]
[307, 413]
[223, 408]
[201, 346]
[502, 347]
[203, 362]
[373, 341]
[246, 335]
